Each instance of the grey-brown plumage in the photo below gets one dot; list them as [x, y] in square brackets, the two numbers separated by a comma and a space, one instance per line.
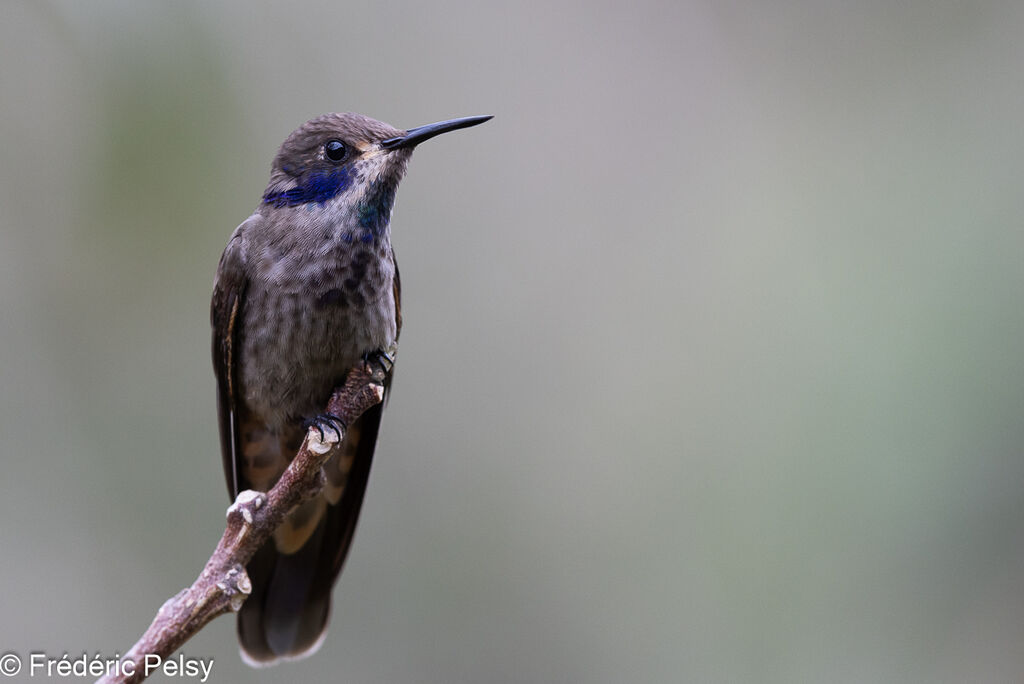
[307, 288]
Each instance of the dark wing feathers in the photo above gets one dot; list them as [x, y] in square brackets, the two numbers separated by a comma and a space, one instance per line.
[226, 317]
[396, 291]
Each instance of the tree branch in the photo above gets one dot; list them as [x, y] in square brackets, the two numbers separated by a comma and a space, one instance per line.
[223, 585]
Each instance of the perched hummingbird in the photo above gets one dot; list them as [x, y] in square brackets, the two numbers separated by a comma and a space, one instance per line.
[306, 289]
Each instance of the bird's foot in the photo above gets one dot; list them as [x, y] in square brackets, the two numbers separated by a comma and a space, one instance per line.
[385, 358]
[326, 420]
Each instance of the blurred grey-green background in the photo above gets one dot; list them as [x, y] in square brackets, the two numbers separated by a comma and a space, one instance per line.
[712, 360]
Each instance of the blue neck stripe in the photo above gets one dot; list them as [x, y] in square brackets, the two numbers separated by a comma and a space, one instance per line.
[318, 187]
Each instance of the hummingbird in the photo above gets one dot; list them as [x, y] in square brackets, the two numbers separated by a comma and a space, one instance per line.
[307, 288]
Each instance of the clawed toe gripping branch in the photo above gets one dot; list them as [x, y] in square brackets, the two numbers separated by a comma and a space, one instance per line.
[223, 585]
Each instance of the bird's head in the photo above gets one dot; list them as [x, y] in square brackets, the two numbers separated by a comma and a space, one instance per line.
[349, 165]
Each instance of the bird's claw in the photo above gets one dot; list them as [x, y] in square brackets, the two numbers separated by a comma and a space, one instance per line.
[383, 357]
[328, 420]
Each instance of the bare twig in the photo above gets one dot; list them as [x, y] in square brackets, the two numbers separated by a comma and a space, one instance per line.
[223, 585]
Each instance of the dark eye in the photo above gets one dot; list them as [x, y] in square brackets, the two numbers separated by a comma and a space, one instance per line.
[335, 150]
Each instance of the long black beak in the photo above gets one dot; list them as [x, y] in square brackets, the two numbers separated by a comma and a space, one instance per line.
[414, 136]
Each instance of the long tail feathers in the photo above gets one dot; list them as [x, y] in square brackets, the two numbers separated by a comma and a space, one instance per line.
[286, 615]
